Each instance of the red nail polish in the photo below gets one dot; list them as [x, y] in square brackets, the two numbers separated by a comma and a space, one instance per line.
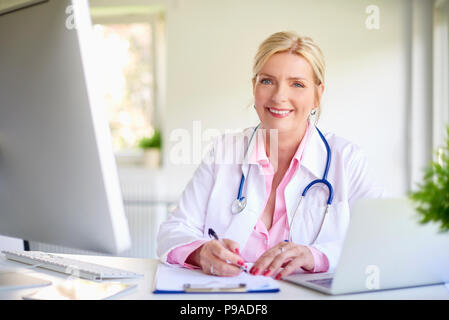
[237, 251]
[240, 263]
[278, 276]
[256, 272]
[267, 272]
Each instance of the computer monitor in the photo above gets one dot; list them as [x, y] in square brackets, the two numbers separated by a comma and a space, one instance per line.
[58, 178]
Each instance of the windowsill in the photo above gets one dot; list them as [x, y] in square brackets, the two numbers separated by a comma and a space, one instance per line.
[129, 156]
[134, 159]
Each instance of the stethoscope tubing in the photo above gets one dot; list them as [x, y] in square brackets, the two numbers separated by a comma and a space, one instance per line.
[324, 181]
[242, 179]
[314, 182]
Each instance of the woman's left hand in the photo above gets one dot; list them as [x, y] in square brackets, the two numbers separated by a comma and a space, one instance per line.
[287, 255]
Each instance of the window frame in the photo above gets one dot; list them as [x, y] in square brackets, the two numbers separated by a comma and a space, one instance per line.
[155, 16]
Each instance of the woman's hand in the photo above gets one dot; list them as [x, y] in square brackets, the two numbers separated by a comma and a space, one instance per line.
[218, 257]
[288, 255]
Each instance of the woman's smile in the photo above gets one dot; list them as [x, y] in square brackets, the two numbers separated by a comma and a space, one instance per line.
[279, 113]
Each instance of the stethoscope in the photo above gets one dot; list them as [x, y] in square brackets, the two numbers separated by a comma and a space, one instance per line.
[239, 204]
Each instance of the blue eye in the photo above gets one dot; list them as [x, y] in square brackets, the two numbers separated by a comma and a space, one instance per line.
[265, 81]
[298, 85]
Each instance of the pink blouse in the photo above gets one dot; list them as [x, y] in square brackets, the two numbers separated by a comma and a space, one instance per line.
[262, 239]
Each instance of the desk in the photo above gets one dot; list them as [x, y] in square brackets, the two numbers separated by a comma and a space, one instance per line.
[148, 267]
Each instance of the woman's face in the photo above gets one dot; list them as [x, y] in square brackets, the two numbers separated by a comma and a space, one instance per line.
[284, 92]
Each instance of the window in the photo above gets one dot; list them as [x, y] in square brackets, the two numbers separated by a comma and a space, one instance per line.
[131, 66]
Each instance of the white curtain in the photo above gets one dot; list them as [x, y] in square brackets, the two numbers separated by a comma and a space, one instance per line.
[420, 115]
[441, 72]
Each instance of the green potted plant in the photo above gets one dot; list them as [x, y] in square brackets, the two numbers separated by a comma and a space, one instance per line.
[432, 196]
[152, 149]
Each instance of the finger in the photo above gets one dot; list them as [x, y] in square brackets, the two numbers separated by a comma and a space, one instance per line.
[267, 258]
[290, 268]
[222, 268]
[262, 263]
[223, 253]
[207, 255]
[231, 245]
[286, 262]
[279, 260]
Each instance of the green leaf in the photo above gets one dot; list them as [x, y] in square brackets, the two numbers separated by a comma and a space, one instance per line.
[155, 141]
[432, 195]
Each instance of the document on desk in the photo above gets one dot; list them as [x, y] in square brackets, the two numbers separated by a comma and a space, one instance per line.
[173, 279]
[81, 289]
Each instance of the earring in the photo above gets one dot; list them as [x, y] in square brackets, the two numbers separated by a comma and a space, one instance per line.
[313, 112]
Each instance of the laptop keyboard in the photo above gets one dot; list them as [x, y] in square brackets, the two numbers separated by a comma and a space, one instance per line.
[327, 282]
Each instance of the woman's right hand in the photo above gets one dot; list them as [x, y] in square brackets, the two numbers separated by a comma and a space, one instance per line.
[217, 257]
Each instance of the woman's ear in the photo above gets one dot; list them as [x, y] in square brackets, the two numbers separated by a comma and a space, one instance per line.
[254, 85]
[319, 91]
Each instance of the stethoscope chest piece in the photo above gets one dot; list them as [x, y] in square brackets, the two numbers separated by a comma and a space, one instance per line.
[238, 205]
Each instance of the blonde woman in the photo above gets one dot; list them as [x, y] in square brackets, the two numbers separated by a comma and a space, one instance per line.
[270, 224]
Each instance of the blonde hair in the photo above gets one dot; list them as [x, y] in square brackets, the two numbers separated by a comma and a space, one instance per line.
[293, 43]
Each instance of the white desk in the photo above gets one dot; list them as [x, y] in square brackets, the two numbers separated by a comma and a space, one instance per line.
[147, 267]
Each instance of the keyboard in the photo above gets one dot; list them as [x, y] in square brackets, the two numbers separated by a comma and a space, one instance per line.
[69, 266]
[327, 282]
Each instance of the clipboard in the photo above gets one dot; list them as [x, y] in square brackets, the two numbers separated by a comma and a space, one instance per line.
[179, 280]
[192, 288]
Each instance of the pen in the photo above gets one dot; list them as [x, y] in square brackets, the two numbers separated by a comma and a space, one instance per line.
[213, 234]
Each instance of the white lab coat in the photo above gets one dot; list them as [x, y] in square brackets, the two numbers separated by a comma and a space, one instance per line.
[206, 201]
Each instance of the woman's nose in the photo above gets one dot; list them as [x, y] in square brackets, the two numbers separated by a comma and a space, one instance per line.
[280, 95]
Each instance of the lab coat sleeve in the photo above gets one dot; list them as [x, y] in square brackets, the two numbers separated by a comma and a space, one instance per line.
[360, 184]
[361, 179]
[186, 223]
[332, 250]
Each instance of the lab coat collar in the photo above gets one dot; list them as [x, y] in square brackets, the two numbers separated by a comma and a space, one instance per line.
[248, 158]
[254, 187]
[315, 154]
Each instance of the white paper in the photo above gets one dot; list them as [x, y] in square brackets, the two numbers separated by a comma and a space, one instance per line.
[80, 289]
[170, 278]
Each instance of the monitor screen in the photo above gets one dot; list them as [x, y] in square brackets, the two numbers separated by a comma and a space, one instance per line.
[58, 177]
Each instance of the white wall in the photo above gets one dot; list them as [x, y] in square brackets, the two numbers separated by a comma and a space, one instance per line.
[210, 48]
[211, 45]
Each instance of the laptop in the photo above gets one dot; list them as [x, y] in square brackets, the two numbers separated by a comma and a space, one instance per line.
[385, 248]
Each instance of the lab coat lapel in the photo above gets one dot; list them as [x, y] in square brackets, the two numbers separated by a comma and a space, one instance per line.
[315, 155]
[311, 167]
[247, 159]
[242, 224]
